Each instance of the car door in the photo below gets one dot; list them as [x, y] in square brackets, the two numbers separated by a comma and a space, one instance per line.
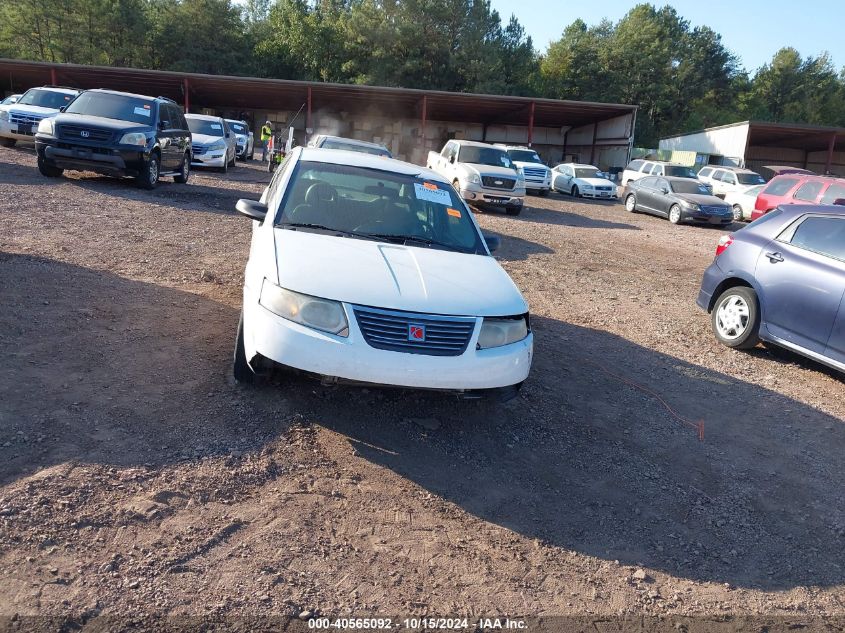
[564, 182]
[715, 181]
[728, 183]
[165, 137]
[802, 280]
[662, 197]
[646, 193]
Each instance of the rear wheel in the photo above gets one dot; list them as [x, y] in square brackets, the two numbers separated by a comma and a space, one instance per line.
[51, 171]
[148, 178]
[184, 171]
[675, 214]
[736, 318]
[631, 203]
[737, 213]
[8, 142]
[241, 370]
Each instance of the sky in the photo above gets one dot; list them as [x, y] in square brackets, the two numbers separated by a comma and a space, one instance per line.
[754, 30]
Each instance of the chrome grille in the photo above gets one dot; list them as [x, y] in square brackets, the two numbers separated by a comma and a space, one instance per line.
[604, 188]
[74, 132]
[716, 210]
[490, 181]
[535, 173]
[199, 149]
[389, 330]
[23, 118]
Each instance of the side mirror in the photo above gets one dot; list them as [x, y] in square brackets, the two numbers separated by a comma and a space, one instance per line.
[228, 135]
[452, 158]
[493, 242]
[251, 209]
[62, 109]
[163, 125]
[664, 189]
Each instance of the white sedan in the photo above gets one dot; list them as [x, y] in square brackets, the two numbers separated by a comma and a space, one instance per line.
[582, 180]
[212, 142]
[742, 202]
[372, 270]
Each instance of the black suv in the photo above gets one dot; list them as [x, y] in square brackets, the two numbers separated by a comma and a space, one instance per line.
[117, 134]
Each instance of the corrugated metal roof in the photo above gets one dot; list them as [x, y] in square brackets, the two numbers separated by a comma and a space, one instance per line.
[792, 135]
[235, 92]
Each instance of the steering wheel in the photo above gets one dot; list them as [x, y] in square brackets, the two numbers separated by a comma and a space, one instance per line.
[320, 192]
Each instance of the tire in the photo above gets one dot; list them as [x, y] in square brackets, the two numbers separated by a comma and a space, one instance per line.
[736, 318]
[544, 192]
[8, 142]
[50, 171]
[148, 178]
[241, 370]
[737, 213]
[184, 170]
[513, 210]
[225, 168]
[675, 214]
[234, 158]
[575, 192]
[631, 203]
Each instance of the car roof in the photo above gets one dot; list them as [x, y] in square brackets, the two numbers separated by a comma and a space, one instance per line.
[799, 209]
[472, 143]
[504, 146]
[736, 170]
[352, 141]
[62, 89]
[235, 121]
[368, 161]
[203, 117]
[678, 178]
[810, 177]
[122, 94]
[580, 165]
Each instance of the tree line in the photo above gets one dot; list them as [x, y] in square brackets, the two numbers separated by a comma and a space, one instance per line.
[683, 77]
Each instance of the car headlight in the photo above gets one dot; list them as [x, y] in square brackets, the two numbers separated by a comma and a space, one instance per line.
[587, 186]
[45, 126]
[313, 312]
[217, 145]
[474, 179]
[690, 205]
[4, 115]
[134, 138]
[496, 332]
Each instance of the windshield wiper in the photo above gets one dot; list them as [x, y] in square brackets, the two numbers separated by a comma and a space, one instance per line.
[320, 227]
[407, 238]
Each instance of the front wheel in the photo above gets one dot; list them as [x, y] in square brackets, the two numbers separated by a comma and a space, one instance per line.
[148, 178]
[184, 171]
[513, 210]
[8, 142]
[51, 171]
[675, 214]
[241, 370]
[737, 213]
[575, 192]
[631, 203]
[736, 318]
[544, 192]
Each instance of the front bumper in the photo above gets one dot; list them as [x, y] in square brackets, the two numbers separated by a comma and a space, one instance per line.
[13, 130]
[112, 161]
[538, 185]
[599, 195]
[722, 220]
[217, 158]
[352, 359]
[476, 194]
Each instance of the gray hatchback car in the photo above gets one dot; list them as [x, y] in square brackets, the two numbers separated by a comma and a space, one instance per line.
[782, 279]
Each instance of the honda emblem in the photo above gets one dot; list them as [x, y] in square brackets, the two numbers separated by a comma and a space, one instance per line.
[416, 333]
[85, 134]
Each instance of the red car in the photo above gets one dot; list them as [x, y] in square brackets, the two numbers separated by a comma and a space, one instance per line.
[798, 189]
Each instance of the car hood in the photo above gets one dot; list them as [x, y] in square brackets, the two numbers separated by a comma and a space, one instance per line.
[394, 276]
[115, 125]
[595, 182]
[492, 170]
[700, 198]
[29, 109]
[206, 139]
[523, 164]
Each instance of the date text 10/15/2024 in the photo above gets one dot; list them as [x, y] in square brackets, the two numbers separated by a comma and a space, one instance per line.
[453, 624]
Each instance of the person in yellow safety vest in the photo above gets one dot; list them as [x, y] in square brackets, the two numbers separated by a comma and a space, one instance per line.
[266, 135]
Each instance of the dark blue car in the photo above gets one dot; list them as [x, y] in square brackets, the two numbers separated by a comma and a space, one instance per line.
[782, 279]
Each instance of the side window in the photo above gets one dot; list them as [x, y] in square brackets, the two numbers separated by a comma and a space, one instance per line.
[809, 191]
[717, 174]
[779, 186]
[635, 165]
[657, 170]
[447, 149]
[823, 235]
[273, 200]
[833, 193]
[663, 184]
[729, 178]
[648, 182]
[705, 172]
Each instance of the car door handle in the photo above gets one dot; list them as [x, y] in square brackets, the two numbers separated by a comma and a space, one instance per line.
[774, 257]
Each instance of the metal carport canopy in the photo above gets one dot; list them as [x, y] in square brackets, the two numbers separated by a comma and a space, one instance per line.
[225, 91]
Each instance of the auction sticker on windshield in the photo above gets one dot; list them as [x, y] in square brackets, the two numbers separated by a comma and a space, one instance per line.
[453, 212]
[145, 111]
[431, 193]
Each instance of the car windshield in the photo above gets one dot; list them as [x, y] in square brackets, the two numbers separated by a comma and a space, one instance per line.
[238, 128]
[114, 106]
[354, 147]
[588, 172]
[681, 172]
[524, 156]
[750, 179]
[753, 191]
[485, 156]
[9, 100]
[45, 98]
[689, 186]
[365, 203]
[205, 126]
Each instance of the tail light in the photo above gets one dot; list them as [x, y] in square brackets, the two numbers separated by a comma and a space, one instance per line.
[724, 242]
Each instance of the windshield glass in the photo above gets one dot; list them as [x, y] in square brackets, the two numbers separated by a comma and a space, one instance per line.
[485, 156]
[750, 179]
[238, 128]
[681, 172]
[588, 172]
[8, 100]
[753, 191]
[45, 98]
[374, 204]
[692, 186]
[204, 126]
[524, 156]
[352, 147]
[112, 106]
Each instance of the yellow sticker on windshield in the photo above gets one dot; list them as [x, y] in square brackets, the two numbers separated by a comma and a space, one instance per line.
[453, 212]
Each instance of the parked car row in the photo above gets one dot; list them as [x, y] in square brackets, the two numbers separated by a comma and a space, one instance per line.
[120, 134]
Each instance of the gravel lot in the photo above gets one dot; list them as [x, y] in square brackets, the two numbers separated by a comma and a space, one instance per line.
[136, 478]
